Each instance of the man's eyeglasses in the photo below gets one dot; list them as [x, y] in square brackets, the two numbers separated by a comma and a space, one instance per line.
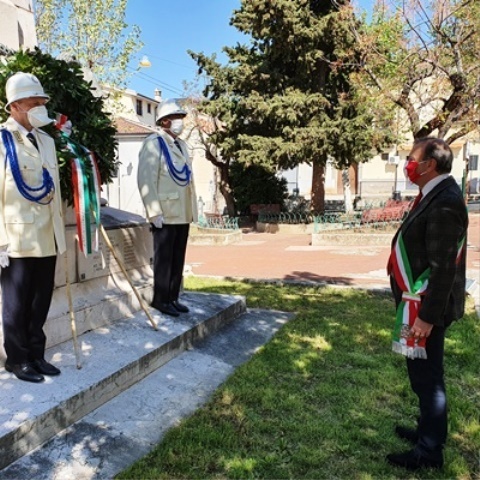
[413, 159]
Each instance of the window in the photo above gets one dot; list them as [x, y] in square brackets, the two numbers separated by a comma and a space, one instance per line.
[385, 156]
[139, 107]
[473, 162]
[149, 108]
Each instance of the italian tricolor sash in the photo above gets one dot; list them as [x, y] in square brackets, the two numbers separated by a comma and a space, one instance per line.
[407, 310]
[86, 196]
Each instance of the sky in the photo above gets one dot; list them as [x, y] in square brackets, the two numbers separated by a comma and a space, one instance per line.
[170, 29]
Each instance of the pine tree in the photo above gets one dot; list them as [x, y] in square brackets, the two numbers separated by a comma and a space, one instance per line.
[286, 98]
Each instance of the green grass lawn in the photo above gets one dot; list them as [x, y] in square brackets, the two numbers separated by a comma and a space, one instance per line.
[322, 398]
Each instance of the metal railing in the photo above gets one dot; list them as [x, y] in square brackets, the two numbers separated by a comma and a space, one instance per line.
[217, 221]
[331, 220]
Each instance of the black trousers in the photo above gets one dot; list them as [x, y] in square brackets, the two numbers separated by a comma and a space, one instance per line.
[169, 248]
[427, 381]
[27, 288]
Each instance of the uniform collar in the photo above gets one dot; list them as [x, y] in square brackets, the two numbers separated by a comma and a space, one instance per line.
[21, 128]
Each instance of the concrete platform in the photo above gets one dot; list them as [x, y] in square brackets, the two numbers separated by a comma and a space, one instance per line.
[114, 357]
[126, 428]
[213, 236]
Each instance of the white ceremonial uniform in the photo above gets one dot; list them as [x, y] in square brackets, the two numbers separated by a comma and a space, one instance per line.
[29, 228]
[32, 233]
[159, 192]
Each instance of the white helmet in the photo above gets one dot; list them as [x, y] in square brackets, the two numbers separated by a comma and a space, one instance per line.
[169, 107]
[23, 85]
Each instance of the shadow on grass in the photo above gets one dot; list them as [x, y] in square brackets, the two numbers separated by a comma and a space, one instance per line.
[321, 399]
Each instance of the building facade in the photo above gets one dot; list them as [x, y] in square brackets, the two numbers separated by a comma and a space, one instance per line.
[17, 24]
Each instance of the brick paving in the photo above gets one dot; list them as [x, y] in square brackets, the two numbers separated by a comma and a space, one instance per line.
[290, 257]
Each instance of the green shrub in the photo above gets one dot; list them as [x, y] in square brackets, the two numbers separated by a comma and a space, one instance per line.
[255, 184]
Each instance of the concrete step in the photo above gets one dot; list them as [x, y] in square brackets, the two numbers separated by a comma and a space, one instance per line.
[124, 429]
[113, 358]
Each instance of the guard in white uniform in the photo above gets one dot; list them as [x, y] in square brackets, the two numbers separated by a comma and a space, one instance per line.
[166, 186]
[31, 227]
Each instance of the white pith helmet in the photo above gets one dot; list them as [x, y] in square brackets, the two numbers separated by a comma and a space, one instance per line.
[23, 85]
[169, 107]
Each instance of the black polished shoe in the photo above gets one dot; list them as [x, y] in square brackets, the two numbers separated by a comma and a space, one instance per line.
[413, 460]
[406, 433]
[24, 371]
[166, 308]
[180, 307]
[42, 366]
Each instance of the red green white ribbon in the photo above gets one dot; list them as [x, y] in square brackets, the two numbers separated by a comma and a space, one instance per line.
[407, 310]
[86, 196]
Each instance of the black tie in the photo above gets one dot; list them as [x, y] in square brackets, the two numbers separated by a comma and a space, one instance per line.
[177, 144]
[32, 138]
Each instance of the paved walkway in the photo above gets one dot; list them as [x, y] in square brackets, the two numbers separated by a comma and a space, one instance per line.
[291, 257]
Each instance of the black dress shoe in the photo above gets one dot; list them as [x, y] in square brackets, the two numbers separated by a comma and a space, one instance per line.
[406, 433]
[24, 371]
[42, 366]
[180, 307]
[413, 460]
[166, 308]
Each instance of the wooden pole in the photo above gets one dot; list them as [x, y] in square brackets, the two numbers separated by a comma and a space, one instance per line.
[124, 270]
[73, 324]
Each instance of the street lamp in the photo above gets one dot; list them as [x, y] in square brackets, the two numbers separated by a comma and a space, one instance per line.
[145, 62]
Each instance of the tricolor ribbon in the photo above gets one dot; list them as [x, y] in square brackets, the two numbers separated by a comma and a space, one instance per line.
[86, 195]
[407, 310]
[86, 188]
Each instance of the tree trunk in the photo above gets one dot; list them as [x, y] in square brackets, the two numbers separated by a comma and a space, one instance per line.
[347, 193]
[318, 188]
[225, 189]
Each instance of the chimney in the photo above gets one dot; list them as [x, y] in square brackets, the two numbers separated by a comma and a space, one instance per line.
[158, 95]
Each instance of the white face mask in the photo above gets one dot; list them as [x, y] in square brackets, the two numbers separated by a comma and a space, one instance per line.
[176, 126]
[38, 117]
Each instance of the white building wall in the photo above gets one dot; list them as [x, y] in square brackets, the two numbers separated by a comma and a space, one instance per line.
[17, 24]
[473, 175]
[377, 177]
[124, 103]
[301, 177]
[204, 174]
[123, 193]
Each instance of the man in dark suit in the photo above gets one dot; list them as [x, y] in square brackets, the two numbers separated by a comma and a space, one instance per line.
[433, 239]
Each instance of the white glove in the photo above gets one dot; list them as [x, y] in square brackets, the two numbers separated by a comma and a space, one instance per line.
[157, 221]
[4, 259]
